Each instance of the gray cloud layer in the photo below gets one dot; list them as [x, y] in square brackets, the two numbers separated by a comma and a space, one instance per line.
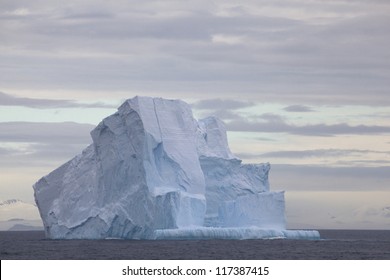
[298, 108]
[10, 100]
[319, 153]
[275, 123]
[319, 51]
[226, 104]
[53, 133]
[41, 144]
[316, 178]
[309, 130]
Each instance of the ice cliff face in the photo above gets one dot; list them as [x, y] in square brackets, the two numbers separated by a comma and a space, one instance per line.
[153, 167]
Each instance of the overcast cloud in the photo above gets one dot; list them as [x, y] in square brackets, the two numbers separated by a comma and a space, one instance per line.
[308, 130]
[319, 177]
[10, 100]
[53, 133]
[298, 108]
[267, 50]
[26, 144]
[319, 153]
[226, 104]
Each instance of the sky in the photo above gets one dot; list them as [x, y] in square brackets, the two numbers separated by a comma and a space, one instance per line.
[302, 84]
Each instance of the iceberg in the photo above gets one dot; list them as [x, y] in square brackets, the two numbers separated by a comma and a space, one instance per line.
[155, 172]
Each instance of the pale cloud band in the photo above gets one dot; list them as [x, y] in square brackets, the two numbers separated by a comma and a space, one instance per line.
[10, 100]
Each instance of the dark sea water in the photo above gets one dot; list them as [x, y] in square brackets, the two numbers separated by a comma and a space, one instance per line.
[335, 244]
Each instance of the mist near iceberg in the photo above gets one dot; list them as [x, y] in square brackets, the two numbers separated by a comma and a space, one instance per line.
[155, 172]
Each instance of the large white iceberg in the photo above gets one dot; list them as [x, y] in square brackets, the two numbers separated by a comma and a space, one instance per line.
[154, 172]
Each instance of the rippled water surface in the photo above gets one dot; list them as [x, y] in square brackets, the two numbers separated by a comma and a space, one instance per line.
[335, 244]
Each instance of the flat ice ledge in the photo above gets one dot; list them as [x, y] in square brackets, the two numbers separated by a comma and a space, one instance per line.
[234, 233]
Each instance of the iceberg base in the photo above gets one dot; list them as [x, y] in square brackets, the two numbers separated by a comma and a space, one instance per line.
[233, 233]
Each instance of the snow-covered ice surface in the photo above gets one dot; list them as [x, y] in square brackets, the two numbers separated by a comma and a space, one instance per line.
[154, 172]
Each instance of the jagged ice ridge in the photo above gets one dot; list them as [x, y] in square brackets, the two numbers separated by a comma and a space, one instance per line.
[154, 172]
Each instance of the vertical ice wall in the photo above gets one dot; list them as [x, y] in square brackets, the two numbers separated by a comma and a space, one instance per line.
[170, 157]
[237, 194]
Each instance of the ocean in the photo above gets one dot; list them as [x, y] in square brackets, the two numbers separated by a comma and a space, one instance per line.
[333, 245]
